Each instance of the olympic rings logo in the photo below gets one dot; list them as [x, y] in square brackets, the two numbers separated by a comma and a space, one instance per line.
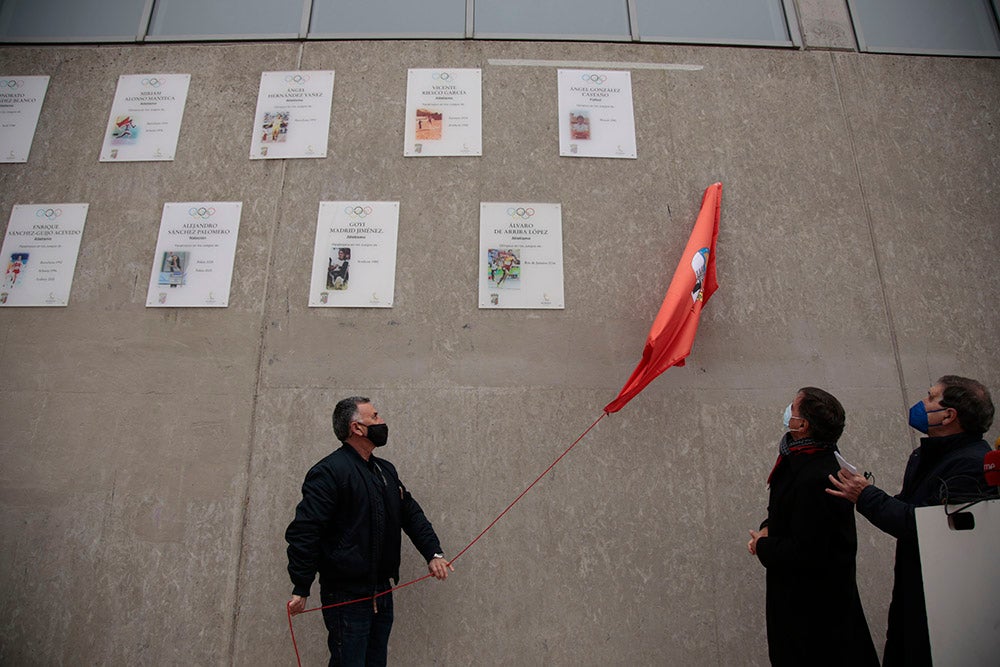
[153, 81]
[296, 78]
[441, 76]
[11, 83]
[594, 78]
[201, 212]
[523, 213]
[358, 211]
[50, 213]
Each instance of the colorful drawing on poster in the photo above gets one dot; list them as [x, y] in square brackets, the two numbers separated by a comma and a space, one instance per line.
[429, 124]
[125, 131]
[579, 125]
[503, 268]
[337, 273]
[18, 262]
[275, 126]
[173, 268]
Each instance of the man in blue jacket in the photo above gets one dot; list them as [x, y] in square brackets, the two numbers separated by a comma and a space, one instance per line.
[946, 467]
[347, 528]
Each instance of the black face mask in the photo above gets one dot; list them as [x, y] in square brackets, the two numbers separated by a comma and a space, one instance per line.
[378, 434]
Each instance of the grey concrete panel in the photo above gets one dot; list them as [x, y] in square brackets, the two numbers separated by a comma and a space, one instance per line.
[929, 158]
[155, 352]
[120, 529]
[154, 457]
[126, 199]
[826, 24]
[631, 232]
[128, 486]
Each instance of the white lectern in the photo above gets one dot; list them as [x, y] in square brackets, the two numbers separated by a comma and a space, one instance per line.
[960, 559]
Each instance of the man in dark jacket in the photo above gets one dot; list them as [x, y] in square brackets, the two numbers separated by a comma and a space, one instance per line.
[808, 544]
[347, 528]
[947, 466]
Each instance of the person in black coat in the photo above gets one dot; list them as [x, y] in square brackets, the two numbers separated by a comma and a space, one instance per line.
[948, 465]
[347, 528]
[808, 544]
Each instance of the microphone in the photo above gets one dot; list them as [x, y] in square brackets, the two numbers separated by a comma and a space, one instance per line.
[991, 468]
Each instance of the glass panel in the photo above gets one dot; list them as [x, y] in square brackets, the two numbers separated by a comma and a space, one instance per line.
[602, 19]
[187, 18]
[393, 18]
[102, 20]
[732, 21]
[927, 26]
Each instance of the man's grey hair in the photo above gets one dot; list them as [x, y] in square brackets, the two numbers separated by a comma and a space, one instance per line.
[345, 412]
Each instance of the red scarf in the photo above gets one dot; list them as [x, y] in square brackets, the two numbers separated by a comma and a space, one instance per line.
[804, 446]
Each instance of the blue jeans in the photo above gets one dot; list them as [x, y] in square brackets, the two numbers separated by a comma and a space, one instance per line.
[358, 634]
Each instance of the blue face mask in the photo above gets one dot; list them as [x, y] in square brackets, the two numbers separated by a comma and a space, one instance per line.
[918, 417]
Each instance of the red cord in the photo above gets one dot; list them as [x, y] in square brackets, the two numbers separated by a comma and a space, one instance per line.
[291, 630]
[288, 608]
[530, 486]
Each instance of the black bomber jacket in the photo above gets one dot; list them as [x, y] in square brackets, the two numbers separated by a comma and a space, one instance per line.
[347, 525]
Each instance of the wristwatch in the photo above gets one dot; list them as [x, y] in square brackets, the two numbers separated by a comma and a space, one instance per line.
[437, 556]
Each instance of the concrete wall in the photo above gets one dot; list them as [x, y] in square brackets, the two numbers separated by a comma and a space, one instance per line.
[152, 458]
